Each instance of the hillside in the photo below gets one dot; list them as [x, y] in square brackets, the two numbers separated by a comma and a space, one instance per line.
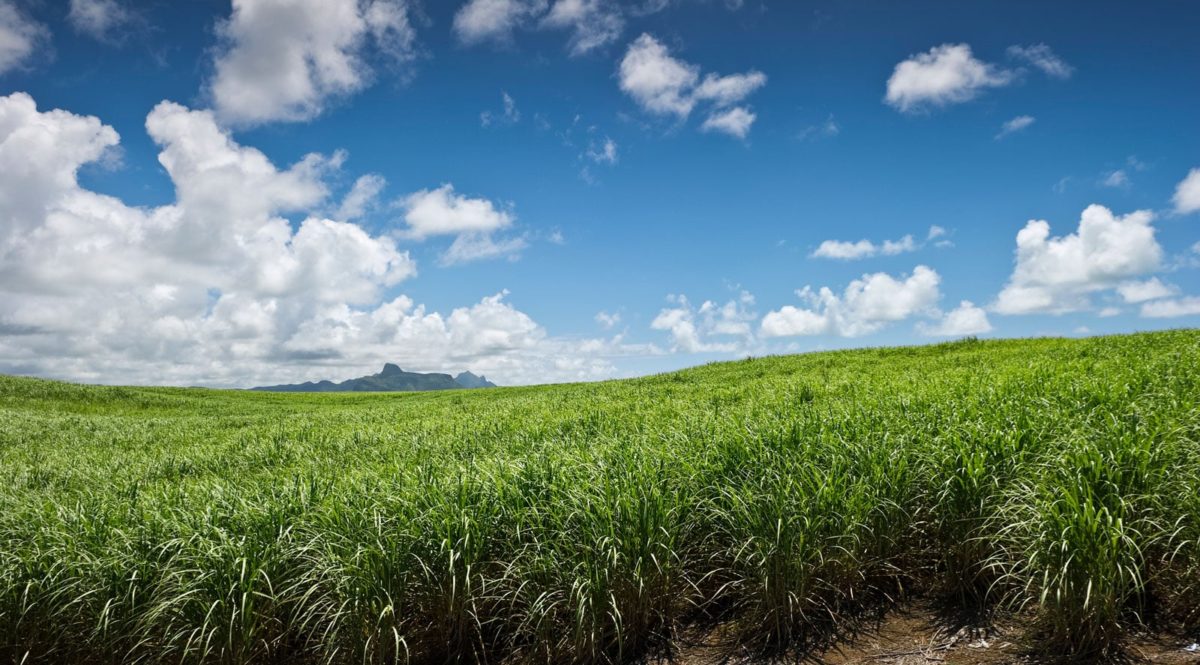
[390, 379]
[1055, 481]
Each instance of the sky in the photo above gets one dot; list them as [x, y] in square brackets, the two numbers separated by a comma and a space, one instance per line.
[264, 191]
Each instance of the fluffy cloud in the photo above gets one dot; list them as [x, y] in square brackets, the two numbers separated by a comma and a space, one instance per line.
[1059, 274]
[946, 74]
[966, 319]
[1187, 193]
[442, 211]
[20, 36]
[1170, 309]
[219, 287]
[592, 23]
[849, 251]
[862, 249]
[664, 85]
[1151, 289]
[865, 306]
[1042, 57]
[362, 197]
[284, 60]
[735, 122]
[709, 328]
[98, 18]
[608, 321]
[1015, 125]
[482, 20]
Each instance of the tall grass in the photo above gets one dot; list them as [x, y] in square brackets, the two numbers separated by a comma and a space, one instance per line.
[593, 523]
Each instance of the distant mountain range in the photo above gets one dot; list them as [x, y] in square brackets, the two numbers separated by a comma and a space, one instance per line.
[392, 378]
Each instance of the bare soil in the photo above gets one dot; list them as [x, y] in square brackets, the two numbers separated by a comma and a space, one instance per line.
[917, 634]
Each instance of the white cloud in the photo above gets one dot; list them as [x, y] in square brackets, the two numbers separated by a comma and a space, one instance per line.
[710, 328]
[20, 36]
[593, 23]
[1117, 179]
[966, 319]
[98, 18]
[608, 321]
[1150, 289]
[1187, 193]
[728, 90]
[605, 153]
[1059, 274]
[1170, 309]
[865, 306]
[1042, 57]
[664, 85]
[361, 197]
[285, 60]
[862, 249]
[1015, 125]
[735, 122]
[217, 287]
[468, 247]
[441, 211]
[483, 20]
[946, 74]
[656, 81]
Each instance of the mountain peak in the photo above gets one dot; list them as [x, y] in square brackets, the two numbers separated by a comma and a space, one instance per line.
[391, 369]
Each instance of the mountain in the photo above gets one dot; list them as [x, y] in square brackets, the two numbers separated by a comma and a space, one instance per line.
[469, 380]
[392, 378]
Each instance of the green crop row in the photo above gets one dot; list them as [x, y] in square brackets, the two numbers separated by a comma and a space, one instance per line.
[593, 522]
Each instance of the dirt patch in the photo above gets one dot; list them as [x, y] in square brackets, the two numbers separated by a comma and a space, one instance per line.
[916, 634]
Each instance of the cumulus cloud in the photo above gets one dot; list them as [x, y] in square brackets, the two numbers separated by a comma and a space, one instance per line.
[608, 321]
[285, 60]
[846, 250]
[1170, 309]
[442, 211]
[362, 197]
[735, 122]
[1015, 125]
[966, 319]
[946, 74]
[1042, 57]
[709, 328]
[664, 85]
[865, 306]
[482, 20]
[218, 287]
[849, 251]
[592, 23]
[1058, 274]
[20, 36]
[1187, 193]
[1150, 289]
[98, 18]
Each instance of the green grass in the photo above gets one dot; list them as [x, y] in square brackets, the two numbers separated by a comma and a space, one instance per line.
[592, 522]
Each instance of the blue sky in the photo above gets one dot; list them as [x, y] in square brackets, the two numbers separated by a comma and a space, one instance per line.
[581, 189]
